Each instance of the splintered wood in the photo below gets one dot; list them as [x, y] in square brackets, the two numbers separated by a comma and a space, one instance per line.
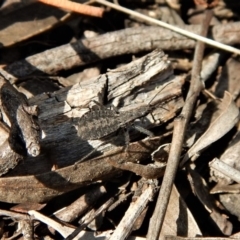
[19, 124]
[60, 112]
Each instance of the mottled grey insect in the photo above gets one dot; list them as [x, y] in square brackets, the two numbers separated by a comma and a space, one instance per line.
[100, 123]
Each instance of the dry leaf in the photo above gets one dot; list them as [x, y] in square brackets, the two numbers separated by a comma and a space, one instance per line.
[230, 157]
[178, 219]
[227, 119]
[27, 22]
[229, 79]
[25, 207]
[219, 188]
[196, 238]
[205, 115]
[231, 203]
[43, 187]
[200, 189]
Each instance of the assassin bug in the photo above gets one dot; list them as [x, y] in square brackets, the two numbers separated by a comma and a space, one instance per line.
[97, 124]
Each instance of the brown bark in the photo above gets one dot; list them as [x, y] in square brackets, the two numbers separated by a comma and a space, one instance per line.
[127, 41]
[129, 87]
[43, 187]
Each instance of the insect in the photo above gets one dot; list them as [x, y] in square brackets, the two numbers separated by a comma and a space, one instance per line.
[100, 123]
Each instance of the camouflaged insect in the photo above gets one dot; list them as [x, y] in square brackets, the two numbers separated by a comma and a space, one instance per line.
[100, 123]
[97, 124]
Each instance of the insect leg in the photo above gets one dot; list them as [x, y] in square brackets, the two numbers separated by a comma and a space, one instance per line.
[90, 153]
[127, 138]
[101, 106]
[114, 108]
[143, 130]
[152, 117]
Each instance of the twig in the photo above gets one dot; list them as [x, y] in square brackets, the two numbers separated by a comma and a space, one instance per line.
[180, 125]
[98, 211]
[27, 230]
[171, 27]
[224, 168]
[127, 41]
[63, 230]
[19, 114]
[80, 206]
[15, 215]
[76, 7]
[135, 209]
[51, 184]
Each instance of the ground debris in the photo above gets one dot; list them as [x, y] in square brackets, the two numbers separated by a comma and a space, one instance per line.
[75, 91]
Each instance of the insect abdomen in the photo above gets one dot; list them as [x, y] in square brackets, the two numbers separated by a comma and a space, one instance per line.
[98, 124]
[131, 115]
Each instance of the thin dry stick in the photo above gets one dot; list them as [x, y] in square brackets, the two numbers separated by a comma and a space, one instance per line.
[171, 27]
[84, 202]
[76, 7]
[14, 215]
[180, 125]
[128, 40]
[124, 228]
[62, 229]
[98, 212]
[225, 169]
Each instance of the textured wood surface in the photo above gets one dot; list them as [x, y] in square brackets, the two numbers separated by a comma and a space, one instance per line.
[130, 40]
[128, 87]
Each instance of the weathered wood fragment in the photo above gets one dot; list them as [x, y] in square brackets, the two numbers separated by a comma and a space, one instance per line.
[130, 40]
[128, 88]
[19, 114]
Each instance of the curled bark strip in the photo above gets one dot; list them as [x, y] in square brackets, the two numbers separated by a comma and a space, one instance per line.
[43, 187]
[82, 204]
[149, 171]
[124, 228]
[8, 158]
[129, 87]
[14, 105]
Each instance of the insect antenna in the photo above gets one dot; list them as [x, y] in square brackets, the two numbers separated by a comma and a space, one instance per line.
[158, 93]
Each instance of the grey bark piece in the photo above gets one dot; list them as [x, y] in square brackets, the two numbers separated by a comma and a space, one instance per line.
[8, 158]
[43, 187]
[15, 106]
[130, 40]
[60, 143]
